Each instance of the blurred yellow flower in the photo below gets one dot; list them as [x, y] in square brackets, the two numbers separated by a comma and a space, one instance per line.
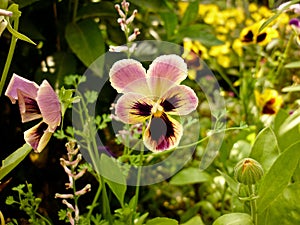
[251, 34]
[269, 101]
[193, 52]
[237, 46]
[205, 8]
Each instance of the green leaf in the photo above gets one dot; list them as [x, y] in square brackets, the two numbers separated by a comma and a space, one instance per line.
[191, 13]
[287, 134]
[100, 9]
[162, 221]
[293, 65]
[153, 5]
[234, 219]
[196, 220]
[170, 23]
[290, 122]
[265, 148]
[278, 177]
[86, 41]
[199, 32]
[14, 159]
[286, 204]
[291, 88]
[19, 35]
[141, 219]
[113, 177]
[233, 184]
[24, 3]
[272, 18]
[190, 175]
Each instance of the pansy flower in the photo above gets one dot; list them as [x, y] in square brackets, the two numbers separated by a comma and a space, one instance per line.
[154, 96]
[269, 101]
[251, 34]
[36, 102]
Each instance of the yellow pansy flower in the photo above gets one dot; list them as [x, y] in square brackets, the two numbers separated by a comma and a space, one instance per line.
[251, 34]
[269, 101]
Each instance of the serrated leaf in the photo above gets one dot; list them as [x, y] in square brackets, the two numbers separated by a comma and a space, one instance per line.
[234, 219]
[278, 177]
[113, 177]
[86, 41]
[14, 160]
[162, 221]
[190, 175]
[265, 148]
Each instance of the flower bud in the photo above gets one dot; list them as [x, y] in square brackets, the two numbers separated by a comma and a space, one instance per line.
[248, 171]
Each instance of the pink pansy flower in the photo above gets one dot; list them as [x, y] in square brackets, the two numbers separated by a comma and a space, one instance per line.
[154, 96]
[36, 102]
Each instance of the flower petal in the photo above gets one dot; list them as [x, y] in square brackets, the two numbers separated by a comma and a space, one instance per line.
[164, 71]
[49, 105]
[128, 75]
[133, 108]
[29, 108]
[179, 100]
[17, 82]
[162, 133]
[38, 136]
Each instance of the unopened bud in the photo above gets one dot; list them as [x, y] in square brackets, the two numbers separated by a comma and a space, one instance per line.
[248, 171]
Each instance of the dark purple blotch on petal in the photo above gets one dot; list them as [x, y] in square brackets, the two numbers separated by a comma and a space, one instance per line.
[170, 104]
[141, 109]
[39, 132]
[261, 37]
[248, 37]
[162, 131]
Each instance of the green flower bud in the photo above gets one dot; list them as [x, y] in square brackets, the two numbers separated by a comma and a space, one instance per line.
[248, 171]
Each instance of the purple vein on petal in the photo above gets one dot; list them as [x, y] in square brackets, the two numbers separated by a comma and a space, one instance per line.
[49, 105]
[179, 100]
[29, 108]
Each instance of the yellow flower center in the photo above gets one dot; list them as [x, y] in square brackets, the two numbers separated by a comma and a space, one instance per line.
[157, 110]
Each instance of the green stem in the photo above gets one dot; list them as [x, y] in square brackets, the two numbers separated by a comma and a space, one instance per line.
[226, 78]
[43, 218]
[284, 56]
[106, 206]
[9, 56]
[96, 197]
[253, 205]
[205, 138]
[75, 11]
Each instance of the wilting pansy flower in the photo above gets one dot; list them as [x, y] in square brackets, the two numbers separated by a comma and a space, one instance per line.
[36, 102]
[269, 101]
[154, 96]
